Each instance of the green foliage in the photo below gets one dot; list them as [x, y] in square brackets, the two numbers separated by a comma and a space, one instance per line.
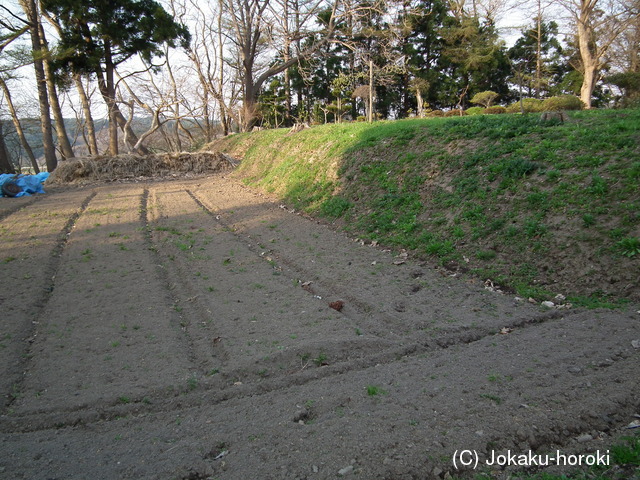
[629, 82]
[485, 98]
[562, 102]
[335, 207]
[495, 110]
[629, 247]
[93, 30]
[474, 111]
[515, 168]
[529, 105]
[627, 453]
[501, 191]
[374, 390]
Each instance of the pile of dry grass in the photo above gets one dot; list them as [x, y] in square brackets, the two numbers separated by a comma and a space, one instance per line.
[107, 169]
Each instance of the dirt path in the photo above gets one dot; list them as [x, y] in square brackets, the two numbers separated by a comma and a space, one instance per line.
[183, 330]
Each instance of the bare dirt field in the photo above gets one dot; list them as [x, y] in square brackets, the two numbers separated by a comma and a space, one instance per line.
[197, 329]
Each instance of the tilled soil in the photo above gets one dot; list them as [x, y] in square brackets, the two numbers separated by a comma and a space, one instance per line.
[197, 329]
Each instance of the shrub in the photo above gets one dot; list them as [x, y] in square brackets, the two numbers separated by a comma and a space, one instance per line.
[454, 113]
[484, 98]
[530, 105]
[495, 110]
[562, 102]
[475, 111]
[436, 113]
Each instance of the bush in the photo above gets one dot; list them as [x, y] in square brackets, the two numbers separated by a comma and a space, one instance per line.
[454, 113]
[474, 111]
[495, 110]
[563, 102]
[530, 105]
[484, 98]
[436, 113]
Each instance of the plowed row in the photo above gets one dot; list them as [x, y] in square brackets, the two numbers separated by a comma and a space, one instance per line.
[184, 330]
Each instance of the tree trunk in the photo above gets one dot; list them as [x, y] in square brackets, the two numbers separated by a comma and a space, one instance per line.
[589, 61]
[224, 118]
[120, 121]
[110, 98]
[420, 105]
[286, 58]
[61, 131]
[370, 113]
[92, 144]
[30, 9]
[5, 162]
[539, 51]
[18, 126]
[250, 105]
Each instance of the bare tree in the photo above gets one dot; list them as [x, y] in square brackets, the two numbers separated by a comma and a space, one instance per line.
[206, 55]
[18, 125]
[14, 32]
[254, 33]
[5, 161]
[90, 139]
[61, 131]
[82, 94]
[625, 51]
[598, 23]
[30, 8]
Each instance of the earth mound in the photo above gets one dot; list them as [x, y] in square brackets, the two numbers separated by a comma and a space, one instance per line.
[111, 168]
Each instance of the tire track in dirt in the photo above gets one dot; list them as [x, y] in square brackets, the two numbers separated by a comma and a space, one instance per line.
[227, 359]
[360, 307]
[446, 339]
[201, 352]
[195, 314]
[117, 308]
[39, 256]
[227, 279]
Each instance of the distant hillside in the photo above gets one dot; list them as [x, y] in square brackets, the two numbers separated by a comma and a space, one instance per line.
[33, 133]
[542, 208]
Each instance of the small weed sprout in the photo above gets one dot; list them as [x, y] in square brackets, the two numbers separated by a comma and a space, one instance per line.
[192, 382]
[321, 359]
[374, 390]
[629, 247]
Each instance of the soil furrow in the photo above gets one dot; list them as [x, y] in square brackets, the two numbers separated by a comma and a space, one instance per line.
[179, 343]
[102, 267]
[216, 393]
[13, 206]
[34, 263]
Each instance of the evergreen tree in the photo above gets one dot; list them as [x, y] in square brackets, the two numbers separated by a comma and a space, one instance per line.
[99, 35]
[474, 59]
[524, 58]
[423, 49]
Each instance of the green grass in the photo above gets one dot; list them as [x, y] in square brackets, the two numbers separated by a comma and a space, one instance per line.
[499, 190]
[374, 390]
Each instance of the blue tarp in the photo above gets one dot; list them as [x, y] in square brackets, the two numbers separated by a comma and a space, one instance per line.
[27, 184]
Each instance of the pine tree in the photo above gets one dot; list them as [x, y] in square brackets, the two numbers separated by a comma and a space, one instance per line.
[99, 35]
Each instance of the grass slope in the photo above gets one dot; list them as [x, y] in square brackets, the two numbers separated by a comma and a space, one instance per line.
[542, 208]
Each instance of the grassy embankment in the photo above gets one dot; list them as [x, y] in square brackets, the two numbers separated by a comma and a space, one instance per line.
[541, 208]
